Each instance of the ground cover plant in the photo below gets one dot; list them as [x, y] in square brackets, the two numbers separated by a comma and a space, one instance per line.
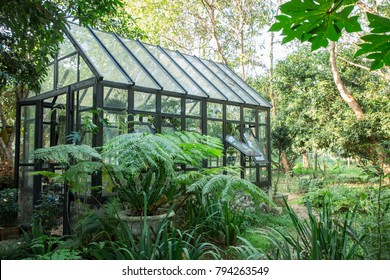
[323, 220]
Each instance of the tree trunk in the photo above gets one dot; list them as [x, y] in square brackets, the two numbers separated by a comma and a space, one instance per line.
[271, 74]
[210, 7]
[305, 160]
[285, 163]
[345, 95]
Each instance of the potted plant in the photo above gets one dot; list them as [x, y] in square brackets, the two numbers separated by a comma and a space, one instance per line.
[144, 168]
[141, 169]
[8, 213]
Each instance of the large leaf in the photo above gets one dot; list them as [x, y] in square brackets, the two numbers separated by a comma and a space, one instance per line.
[377, 45]
[316, 21]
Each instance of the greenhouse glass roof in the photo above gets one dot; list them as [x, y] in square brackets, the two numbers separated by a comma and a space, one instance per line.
[120, 60]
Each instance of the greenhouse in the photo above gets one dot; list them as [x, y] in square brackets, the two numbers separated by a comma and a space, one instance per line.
[120, 86]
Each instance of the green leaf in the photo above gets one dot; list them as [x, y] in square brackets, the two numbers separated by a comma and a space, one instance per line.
[378, 24]
[315, 21]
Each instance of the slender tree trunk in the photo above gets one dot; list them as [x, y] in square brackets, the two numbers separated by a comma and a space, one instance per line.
[271, 73]
[305, 160]
[286, 166]
[210, 7]
[345, 95]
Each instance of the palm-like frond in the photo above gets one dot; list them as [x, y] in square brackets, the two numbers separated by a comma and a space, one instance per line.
[64, 154]
[227, 186]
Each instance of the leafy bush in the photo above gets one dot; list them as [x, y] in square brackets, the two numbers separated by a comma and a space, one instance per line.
[306, 184]
[8, 207]
[343, 199]
[47, 212]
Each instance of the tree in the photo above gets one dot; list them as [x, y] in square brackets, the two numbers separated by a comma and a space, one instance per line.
[221, 30]
[309, 105]
[321, 21]
[30, 32]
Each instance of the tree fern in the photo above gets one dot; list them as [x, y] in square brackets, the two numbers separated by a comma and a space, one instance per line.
[65, 154]
[227, 186]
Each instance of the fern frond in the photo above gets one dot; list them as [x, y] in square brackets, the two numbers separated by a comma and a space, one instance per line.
[77, 175]
[64, 154]
[227, 187]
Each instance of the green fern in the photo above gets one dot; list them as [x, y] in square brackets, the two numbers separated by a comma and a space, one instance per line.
[65, 154]
[227, 187]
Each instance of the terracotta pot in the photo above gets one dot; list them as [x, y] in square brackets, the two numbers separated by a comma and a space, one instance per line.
[9, 232]
[136, 223]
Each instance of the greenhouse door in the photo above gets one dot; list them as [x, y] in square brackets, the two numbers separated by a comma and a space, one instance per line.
[41, 123]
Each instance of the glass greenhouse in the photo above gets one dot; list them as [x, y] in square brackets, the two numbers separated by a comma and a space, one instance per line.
[139, 88]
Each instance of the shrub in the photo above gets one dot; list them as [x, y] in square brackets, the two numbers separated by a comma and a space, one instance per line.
[8, 207]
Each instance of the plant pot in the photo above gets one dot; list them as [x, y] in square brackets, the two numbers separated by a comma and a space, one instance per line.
[279, 199]
[9, 232]
[136, 223]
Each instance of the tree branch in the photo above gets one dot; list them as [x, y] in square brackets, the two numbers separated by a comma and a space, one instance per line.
[365, 8]
[345, 95]
[379, 73]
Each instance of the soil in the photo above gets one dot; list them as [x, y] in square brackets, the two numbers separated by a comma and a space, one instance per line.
[299, 209]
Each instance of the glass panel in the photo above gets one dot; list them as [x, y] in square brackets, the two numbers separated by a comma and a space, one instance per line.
[169, 124]
[46, 135]
[154, 69]
[144, 124]
[193, 107]
[194, 125]
[217, 82]
[96, 54]
[60, 126]
[263, 173]
[25, 196]
[233, 129]
[61, 99]
[222, 75]
[85, 71]
[263, 117]
[232, 112]
[241, 146]
[233, 157]
[170, 105]
[28, 135]
[47, 114]
[214, 110]
[127, 62]
[175, 71]
[144, 101]
[118, 124]
[48, 83]
[115, 98]
[244, 85]
[143, 128]
[263, 138]
[252, 142]
[250, 174]
[86, 118]
[65, 48]
[67, 71]
[86, 98]
[249, 115]
[194, 74]
[214, 128]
